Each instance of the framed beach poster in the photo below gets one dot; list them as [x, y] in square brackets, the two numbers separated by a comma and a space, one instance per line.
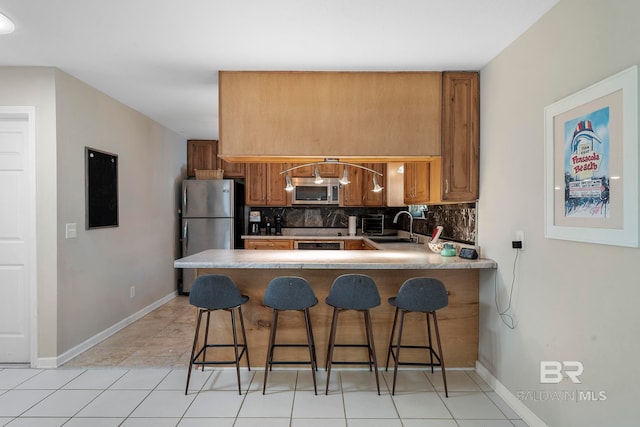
[591, 163]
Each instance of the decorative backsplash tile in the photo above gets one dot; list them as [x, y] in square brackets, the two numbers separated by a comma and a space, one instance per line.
[458, 220]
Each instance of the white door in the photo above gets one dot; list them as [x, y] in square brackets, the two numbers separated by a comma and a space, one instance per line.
[15, 239]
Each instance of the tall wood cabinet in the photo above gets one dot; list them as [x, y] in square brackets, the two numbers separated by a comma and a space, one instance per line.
[460, 136]
[264, 185]
[202, 154]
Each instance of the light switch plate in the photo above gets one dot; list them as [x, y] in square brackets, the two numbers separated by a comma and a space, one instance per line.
[70, 231]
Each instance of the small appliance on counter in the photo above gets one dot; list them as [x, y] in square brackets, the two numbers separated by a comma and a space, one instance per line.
[375, 225]
[277, 221]
[254, 222]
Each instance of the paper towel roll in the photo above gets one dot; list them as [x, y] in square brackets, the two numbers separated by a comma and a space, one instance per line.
[352, 225]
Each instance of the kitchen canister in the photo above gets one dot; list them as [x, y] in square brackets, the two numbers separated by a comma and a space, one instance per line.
[352, 225]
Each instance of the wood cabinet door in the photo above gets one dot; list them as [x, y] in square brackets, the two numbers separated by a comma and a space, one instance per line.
[201, 154]
[460, 136]
[369, 197]
[352, 245]
[352, 193]
[232, 170]
[359, 191]
[264, 185]
[327, 170]
[276, 182]
[256, 184]
[268, 244]
[416, 183]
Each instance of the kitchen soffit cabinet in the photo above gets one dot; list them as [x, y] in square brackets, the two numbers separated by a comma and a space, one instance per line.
[329, 114]
[202, 154]
[460, 136]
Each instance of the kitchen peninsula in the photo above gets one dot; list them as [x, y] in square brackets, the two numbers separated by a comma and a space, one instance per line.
[389, 266]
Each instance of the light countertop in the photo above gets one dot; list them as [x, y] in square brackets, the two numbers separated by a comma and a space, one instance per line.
[391, 256]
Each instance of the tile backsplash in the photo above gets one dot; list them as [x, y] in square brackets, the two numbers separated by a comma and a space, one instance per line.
[458, 220]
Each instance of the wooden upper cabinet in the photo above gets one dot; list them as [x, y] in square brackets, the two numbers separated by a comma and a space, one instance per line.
[359, 191]
[329, 114]
[416, 183]
[460, 136]
[232, 170]
[201, 154]
[264, 185]
[327, 170]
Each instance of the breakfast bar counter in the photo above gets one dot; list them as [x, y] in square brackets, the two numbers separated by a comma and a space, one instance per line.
[390, 266]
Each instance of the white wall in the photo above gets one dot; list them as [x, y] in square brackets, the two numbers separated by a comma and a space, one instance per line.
[97, 269]
[34, 86]
[572, 301]
[83, 283]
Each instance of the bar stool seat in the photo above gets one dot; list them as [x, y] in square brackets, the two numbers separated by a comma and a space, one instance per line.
[209, 293]
[424, 295]
[290, 293]
[353, 292]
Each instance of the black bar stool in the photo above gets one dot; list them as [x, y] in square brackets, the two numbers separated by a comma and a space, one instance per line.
[425, 295]
[290, 293]
[209, 293]
[353, 292]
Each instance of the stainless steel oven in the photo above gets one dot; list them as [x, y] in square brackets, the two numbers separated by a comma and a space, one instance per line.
[318, 244]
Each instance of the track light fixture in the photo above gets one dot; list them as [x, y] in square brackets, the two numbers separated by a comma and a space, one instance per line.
[289, 186]
[345, 177]
[316, 174]
[345, 174]
[376, 186]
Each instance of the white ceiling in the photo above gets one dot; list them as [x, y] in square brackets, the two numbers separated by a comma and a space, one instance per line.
[161, 57]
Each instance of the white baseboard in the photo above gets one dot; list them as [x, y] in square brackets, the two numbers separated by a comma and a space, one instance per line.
[54, 362]
[514, 403]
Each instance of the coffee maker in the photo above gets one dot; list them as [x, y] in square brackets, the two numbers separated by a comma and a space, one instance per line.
[277, 220]
[254, 223]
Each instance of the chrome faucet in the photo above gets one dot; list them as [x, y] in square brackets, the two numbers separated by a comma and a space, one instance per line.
[395, 221]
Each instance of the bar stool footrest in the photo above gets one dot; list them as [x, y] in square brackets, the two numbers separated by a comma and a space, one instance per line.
[218, 362]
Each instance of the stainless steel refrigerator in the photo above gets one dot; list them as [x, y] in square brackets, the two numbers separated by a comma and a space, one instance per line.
[212, 218]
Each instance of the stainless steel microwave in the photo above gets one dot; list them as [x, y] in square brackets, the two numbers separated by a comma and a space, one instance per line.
[307, 192]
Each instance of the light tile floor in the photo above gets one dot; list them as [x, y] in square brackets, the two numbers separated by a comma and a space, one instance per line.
[137, 377]
[155, 397]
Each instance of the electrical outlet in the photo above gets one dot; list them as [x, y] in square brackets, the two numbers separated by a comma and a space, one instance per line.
[520, 238]
[132, 292]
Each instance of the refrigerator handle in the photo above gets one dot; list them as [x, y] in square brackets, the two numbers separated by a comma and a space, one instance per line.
[185, 236]
[184, 200]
